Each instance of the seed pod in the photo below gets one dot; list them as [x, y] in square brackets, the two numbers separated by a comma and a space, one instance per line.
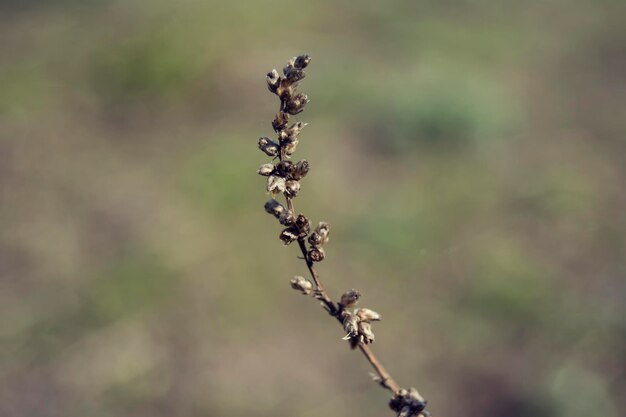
[275, 184]
[302, 61]
[365, 332]
[292, 187]
[284, 168]
[291, 133]
[280, 121]
[288, 236]
[290, 147]
[350, 325]
[316, 254]
[408, 403]
[302, 224]
[349, 298]
[300, 170]
[266, 169]
[275, 208]
[286, 218]
[367, 315]
[273, 81]
[295, 104]
[323, 229]
[302, 284]
[268, 146]
[315, 239]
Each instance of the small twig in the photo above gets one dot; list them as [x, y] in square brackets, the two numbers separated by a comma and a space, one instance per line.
[284, 178]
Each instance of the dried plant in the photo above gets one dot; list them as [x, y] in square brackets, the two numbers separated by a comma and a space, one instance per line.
[283, 177]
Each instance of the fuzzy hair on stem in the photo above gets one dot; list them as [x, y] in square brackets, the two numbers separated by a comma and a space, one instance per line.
[284, 177]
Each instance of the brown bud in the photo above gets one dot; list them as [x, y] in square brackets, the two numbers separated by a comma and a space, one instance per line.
[316, 254]
[350, 298]
[365, 332]
[408, 403]
[315, 239]
[290, 147]
[300, 170]
[323, 229]
[291, 133]
[302, 284]
[292, 187]
[275, 184]
[288, 236]
[296, 103]
[275, 208]
[284, 168]
[273, 81]
[350, 325]
[268, 146]
[367, 315]
[286, 218]
[266, 169]
[302, 61]
[280, 121]
[303, 225]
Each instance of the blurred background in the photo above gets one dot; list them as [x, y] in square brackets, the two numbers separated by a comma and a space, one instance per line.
[470, 157]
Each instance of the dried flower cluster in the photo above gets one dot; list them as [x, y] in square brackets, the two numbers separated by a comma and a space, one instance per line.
[283, 177]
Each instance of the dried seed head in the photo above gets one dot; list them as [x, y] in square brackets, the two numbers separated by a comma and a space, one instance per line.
[295, 103]
[292, 187]
[367, 315]
[301, 168]
[303, 225]
[286, 218]
[290, 147]
[302, 61]
[408, 403]
[365, 332]
[323, 229]
[266, 169]
[268, 146]
[275, 208]
[273, 81]
[284, 168]
[315, 239]
[288, 236]
[280, 121]
[291, 133]
[302, 284]
[316, 254]
[350, 325]
[275, 184]
[350, 298]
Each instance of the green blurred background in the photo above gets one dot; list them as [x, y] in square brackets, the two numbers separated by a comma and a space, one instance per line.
[470, 157]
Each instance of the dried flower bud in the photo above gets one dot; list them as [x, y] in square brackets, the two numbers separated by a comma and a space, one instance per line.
[268, 146]
[315, 239]
[303, 225]
[288, 236]
[296, 104]
[291, 133]
[275, 184]
[316, 254]
[302, 61]
[286, 218]
[290, 147]
[323, 229]
[273, 81]
[302, 284]
[274, 207]
[292, 187]
[284, 168]
[350, 325]
[367, 315]
[293, 74]
[350, 298]
[408, 403]
[300, 170]
[365, 332]
[280, 121]
[266, 169]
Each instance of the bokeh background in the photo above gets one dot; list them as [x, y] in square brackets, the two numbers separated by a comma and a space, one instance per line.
[470, 157]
